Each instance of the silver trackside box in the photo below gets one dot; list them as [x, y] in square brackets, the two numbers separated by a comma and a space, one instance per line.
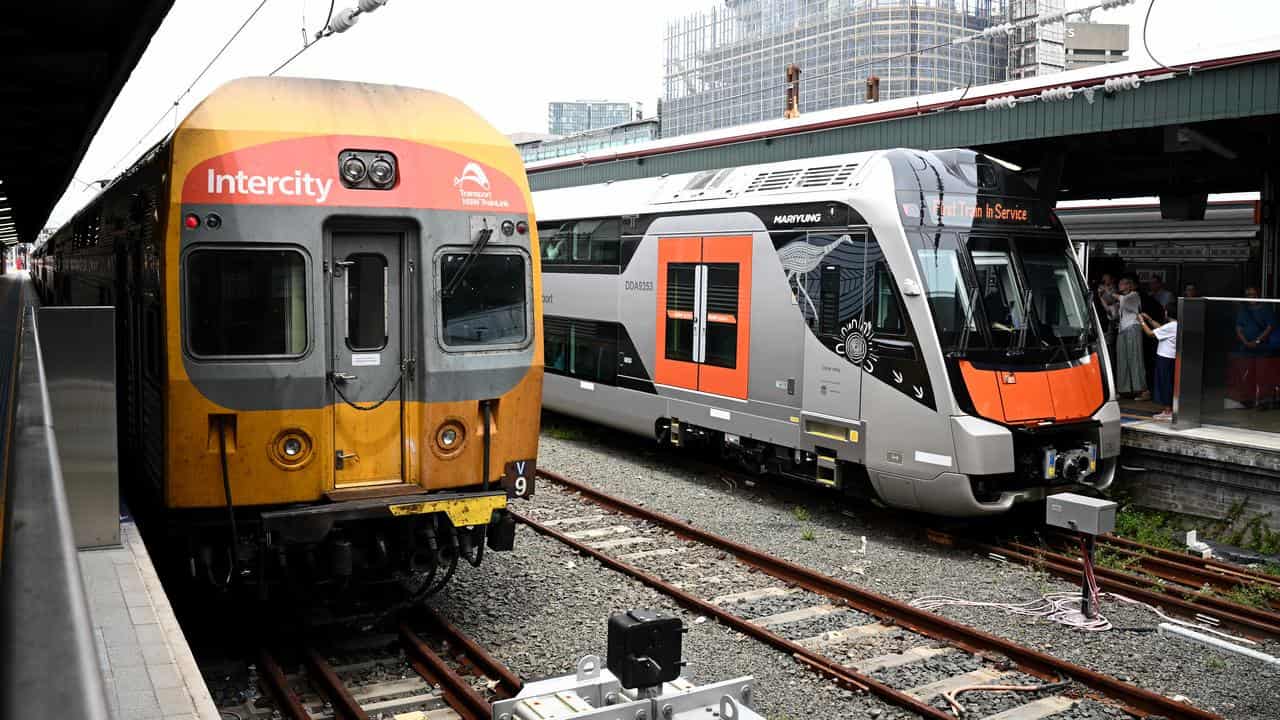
[1082, 514]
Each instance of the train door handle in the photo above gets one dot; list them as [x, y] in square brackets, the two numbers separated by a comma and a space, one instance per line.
[340, 458]
[342, 378]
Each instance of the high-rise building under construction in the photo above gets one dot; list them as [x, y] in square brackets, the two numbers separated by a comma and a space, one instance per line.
[727, 65]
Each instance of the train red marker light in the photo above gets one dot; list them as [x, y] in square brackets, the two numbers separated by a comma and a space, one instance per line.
[522, 227]
[191, 221]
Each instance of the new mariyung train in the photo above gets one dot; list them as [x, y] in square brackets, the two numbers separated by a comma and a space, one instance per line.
[911, 326]
[328, 333]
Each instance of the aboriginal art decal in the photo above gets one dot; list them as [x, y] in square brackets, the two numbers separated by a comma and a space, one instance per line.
[841, 285]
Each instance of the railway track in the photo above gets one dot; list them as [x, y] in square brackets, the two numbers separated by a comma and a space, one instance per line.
[442, 676]
[860, 639]
[1179, 586]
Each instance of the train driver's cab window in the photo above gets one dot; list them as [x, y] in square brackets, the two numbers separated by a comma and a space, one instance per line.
[997, 284]
[888, 308]
[581, 242]
[483, 299]
[944, 283]
[246, 303]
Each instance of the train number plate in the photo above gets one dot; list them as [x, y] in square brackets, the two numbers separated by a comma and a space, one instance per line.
[517, 479]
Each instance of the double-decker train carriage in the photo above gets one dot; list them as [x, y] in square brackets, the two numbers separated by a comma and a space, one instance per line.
[908, 325]
[328, 330]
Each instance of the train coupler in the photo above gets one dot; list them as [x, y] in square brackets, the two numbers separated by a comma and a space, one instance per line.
[640, 679]
[502, 531]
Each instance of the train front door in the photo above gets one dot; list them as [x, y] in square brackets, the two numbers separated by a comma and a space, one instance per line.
[366, 358]
[704, 314]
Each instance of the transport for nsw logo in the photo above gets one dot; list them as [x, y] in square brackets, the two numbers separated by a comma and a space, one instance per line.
[474, 188]
[473, 174]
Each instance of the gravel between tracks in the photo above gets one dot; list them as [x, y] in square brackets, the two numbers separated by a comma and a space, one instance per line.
[552, 605]
[898, 561]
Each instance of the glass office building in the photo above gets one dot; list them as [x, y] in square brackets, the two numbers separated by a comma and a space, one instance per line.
[567, 118]
[727, 65]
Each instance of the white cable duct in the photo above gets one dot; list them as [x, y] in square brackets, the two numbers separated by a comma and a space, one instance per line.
[1189, 634]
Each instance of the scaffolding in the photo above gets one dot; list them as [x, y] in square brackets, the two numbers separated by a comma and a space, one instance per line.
[727, 66]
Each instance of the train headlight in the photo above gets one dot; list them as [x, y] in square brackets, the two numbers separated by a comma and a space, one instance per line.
[382, 172]
[450, 437]
[354, 170]
[291, 449]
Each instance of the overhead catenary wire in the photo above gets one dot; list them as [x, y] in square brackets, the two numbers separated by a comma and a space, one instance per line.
[190, 86]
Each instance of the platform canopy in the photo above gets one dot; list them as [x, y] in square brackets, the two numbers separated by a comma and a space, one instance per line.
[1205, 122]
[62, 63]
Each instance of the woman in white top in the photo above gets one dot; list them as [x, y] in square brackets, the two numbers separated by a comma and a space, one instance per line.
[1166, 335]
[1131, 371]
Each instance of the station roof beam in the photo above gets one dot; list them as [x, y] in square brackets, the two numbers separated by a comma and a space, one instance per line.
[62, 64]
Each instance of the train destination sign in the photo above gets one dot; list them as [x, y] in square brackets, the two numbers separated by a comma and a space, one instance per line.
[967, 209]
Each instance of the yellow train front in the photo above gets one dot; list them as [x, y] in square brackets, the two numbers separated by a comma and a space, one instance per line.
[329, 329]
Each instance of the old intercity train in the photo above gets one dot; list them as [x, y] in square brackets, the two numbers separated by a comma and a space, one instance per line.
[907, 325]
[328, 332]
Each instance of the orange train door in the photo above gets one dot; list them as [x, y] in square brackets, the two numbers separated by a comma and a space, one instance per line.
[704, 314]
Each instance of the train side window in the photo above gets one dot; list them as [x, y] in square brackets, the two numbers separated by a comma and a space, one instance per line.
[681, 278]
[551, 244]
[582, 349]
[722, 315]
[248, 302]
[366, 302]
[594, 352]
[595, 242]
[888, 308]
[490, 305]
[555, 344]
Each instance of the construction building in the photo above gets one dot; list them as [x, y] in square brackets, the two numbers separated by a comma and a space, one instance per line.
[727, 65]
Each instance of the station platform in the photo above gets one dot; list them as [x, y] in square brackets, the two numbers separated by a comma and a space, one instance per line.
[1212, 471]
[147, 666]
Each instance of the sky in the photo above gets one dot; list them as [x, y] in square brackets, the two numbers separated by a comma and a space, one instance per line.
[505, 58]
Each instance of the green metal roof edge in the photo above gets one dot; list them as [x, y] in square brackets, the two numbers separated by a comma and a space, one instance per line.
[1241, 90]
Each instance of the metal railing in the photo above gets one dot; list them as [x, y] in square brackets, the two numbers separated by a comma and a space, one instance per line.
[48, 660]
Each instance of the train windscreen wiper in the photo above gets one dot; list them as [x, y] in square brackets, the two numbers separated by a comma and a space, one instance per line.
[482, 239]
[1026, 324]
[962, 345]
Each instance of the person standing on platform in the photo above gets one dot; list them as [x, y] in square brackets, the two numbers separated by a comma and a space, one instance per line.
[1131, 372]
[1255, 323]
[1108, 301]
[1165, 333]
[1159, 292]
[1191, 291]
